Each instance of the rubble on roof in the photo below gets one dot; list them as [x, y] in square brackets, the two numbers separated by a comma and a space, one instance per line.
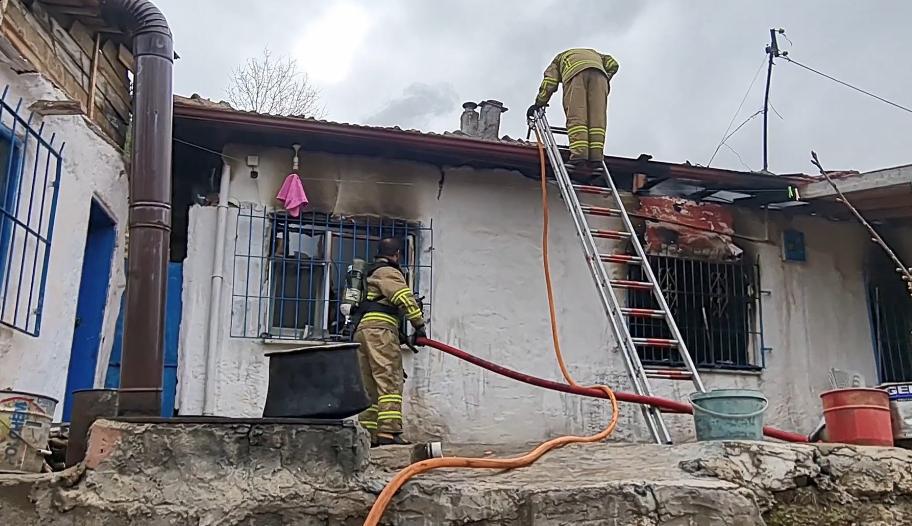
[196, 98]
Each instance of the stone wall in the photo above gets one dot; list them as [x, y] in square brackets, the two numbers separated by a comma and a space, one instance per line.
[269, 474]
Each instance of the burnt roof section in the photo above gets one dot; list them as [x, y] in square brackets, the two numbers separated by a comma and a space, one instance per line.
[214, 124]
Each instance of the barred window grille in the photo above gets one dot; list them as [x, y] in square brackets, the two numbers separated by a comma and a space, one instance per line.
[289, 273]
[714, 305]
[891, 322]
[30, 168]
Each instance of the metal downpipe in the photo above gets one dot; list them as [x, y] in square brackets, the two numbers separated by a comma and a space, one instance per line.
[150, 204]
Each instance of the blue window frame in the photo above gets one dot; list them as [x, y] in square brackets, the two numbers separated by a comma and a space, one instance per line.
[10, 174]
[31, 165]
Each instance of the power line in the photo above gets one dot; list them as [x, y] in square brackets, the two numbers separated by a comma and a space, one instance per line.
[733, 132]
[776, 111]
[203, 148]
[725, 134]
[744, 164]
[846, 84]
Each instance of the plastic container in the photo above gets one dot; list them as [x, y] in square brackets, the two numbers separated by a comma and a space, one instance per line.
[25, 426]
[858, 416]
[900, 412]
[322, 381]
[729, 414]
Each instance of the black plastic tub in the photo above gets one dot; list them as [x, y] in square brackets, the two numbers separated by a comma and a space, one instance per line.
[322, 381]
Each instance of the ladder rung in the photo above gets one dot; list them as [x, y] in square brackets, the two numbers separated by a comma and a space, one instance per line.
[620, 258]
[629, 284]
[601, 211]
[558, 130]
[589, 189]
[643, 313]
[609, 234]
[655, 342]
[669, 374]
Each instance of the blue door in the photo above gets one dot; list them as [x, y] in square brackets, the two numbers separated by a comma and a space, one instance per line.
[90, 305]
[173, 310]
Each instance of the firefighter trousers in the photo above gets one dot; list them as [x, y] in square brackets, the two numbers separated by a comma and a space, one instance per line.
[586, 104]
[380, 359]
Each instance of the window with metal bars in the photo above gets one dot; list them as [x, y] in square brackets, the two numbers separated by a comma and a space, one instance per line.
[891, 322]
[31, 165]
[289, 273]
[713, 303]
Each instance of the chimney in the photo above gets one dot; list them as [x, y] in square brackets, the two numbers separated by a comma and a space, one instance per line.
[490, 119]
[468, 123]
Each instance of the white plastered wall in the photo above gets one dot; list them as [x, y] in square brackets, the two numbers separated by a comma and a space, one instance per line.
[489, 299]
[92, 168]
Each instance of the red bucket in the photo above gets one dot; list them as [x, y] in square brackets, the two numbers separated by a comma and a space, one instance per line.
[858, 416]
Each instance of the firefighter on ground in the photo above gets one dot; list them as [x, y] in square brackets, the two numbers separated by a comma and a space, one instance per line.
[379, 355]
[585, 75]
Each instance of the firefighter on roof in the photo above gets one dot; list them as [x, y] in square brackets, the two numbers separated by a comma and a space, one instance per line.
[379, 356]
[585, 75]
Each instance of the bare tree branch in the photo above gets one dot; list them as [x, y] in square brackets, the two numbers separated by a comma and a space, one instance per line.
[276, 86]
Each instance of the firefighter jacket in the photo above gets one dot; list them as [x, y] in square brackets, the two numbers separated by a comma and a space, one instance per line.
[568, 64]
[386, 285]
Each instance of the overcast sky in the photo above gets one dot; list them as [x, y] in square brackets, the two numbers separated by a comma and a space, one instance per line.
[684, 67]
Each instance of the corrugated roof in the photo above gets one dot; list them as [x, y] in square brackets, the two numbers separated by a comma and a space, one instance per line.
[219, 123]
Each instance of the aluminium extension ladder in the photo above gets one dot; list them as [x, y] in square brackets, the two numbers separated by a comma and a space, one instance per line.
[606, 286]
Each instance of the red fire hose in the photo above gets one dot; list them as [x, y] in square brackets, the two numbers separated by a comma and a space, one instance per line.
[671, 406]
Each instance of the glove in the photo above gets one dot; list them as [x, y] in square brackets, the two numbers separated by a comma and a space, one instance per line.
[530, 113]
[419, 332]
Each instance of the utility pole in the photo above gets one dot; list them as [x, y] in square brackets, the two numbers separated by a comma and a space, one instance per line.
[773, 51]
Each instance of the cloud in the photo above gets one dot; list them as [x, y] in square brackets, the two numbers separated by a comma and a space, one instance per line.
[685, 66]
[417, 105]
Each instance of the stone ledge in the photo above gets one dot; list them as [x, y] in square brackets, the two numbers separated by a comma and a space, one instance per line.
[269, 474]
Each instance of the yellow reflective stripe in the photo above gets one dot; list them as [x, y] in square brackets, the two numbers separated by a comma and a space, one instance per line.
[578, 127]
[610, 64]
[390, 398]
[548, 80]
[583, 61]
[573, 68]
[597, 131]
[399, 294]
[369, 425]
[373, 295]
[380, 316]
[574, 144]
[413, 315]
[389, 415]
[372, 408]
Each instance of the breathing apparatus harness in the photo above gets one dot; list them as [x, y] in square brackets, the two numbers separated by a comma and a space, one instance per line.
[358, 304]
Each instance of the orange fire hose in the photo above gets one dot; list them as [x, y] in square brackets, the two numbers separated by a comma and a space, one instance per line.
[383, 500]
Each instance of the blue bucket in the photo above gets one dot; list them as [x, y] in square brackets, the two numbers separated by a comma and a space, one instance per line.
[729, 414]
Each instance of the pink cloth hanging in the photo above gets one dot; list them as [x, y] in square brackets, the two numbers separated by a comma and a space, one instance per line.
[292, 195]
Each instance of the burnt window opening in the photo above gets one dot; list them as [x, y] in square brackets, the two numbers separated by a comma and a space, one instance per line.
[714, 305]
[890, 310]
[289, 273]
